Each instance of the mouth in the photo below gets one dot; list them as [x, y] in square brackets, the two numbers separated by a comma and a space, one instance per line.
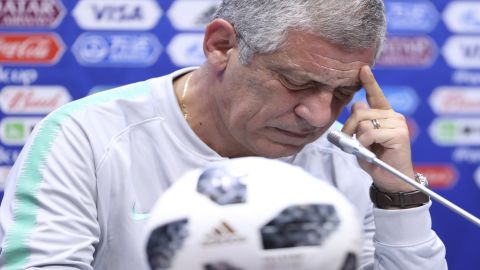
[294, 134]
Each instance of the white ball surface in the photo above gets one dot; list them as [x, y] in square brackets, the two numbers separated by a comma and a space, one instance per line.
[252, 213]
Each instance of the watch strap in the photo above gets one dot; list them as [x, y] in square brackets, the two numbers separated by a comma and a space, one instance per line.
[398, 199]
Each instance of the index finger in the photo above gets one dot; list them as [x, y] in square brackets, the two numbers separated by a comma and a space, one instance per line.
[375, 97]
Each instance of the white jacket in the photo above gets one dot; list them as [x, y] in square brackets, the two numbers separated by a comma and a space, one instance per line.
[79, 194]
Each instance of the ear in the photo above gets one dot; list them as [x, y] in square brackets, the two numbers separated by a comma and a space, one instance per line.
[220, 38]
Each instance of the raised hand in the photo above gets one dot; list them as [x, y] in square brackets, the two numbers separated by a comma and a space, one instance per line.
[382, 130]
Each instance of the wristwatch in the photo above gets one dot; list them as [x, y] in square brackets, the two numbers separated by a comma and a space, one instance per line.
[401, 200]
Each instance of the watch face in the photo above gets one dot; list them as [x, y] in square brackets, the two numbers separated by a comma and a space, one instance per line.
[420, 178]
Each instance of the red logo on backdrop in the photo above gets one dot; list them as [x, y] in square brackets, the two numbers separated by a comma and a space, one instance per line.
[416, 51]
[23, 48]
[30, 13]
[438, 175]
[33, 99]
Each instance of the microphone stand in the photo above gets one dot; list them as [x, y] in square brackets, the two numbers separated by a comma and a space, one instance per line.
[352, 146]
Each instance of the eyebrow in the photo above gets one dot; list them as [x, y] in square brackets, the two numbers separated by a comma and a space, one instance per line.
[291, 71]
[355, 88]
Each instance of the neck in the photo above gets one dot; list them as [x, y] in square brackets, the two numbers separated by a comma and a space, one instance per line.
[204, 117]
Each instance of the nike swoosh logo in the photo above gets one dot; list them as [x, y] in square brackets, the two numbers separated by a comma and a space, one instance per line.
[135, 215]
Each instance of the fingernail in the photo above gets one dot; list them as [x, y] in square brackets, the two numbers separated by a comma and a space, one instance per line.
[369, 69]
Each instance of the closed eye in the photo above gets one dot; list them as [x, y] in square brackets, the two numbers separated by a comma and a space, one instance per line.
[346, 94]
[292, 84]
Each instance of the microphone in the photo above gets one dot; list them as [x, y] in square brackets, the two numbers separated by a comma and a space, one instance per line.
[353, 146]
[350, 145]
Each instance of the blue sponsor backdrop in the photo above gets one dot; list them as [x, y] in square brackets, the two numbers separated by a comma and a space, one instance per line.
[54, 51]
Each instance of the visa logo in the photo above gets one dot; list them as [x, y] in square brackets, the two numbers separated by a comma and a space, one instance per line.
[117, 15]
[471, 50]
[462, 51]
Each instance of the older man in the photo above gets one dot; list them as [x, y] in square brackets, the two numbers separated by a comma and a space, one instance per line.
[277, 75]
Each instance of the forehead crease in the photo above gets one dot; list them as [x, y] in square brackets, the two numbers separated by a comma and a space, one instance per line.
[336, 64]
[335, 77]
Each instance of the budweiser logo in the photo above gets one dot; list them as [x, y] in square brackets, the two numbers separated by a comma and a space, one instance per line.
[456, 100]
[32, 100]
[29, 48]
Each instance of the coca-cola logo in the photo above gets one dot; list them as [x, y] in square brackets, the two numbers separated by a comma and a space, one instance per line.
[33, 99]
[413, 51]
[34, 13]
[21, 48]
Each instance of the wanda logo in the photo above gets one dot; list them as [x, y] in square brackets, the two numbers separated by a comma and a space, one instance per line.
[30, 48]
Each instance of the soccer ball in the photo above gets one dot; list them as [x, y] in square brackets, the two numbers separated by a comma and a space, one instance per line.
[252, 213]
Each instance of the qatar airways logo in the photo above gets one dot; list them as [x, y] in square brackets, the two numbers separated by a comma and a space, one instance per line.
[31, 13]
[455, 100]
[33, 99]
[408, 52]
[463, 17]
[33, 48]
[463, 51]
[117, 15]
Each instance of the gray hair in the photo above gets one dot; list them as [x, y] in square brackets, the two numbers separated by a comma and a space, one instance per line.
[262, 25]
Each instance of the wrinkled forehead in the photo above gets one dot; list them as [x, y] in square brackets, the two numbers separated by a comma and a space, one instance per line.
[332, 72]
[322, 61]
[324, 69]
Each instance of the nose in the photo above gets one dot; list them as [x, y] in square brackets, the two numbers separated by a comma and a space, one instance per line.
[316, 108]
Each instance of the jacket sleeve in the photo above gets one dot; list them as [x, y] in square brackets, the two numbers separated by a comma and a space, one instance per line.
[403, 240]
[48, 218]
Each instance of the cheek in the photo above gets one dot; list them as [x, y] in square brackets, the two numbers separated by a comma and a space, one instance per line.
[256, 108]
